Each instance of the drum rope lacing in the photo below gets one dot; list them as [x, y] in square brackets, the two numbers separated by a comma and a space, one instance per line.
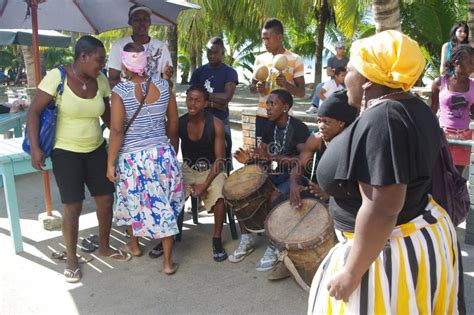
[280, 146]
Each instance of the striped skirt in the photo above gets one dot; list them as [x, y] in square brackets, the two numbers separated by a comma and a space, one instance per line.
[416, 273]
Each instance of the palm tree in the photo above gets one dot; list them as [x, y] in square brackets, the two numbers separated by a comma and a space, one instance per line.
[322, 15]
[27, 52]
[172, 36]
[386, 15]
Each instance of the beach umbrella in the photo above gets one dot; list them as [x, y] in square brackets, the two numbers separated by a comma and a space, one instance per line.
[46, 38]
[85, 16]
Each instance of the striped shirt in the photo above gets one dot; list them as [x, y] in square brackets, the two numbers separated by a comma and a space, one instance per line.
[148, 128]
[295, 69]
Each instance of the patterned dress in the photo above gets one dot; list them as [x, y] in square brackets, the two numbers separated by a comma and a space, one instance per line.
[149, 191]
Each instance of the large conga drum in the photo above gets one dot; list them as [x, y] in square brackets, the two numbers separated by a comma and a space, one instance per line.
[247, 190]
[305, 235]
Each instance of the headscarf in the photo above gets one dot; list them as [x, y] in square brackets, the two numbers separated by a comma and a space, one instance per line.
[135, 61]
[388, 58]
[337, 107]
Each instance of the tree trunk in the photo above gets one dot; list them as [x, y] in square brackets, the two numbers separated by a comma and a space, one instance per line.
[192, 60]
[172, 36]
[322, 16]
[27, 52]
[386, 15]
[471, 22]
[184, 77]
[199, 57]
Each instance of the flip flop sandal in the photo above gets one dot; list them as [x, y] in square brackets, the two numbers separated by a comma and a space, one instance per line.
[72, 276]
[157, 251]
[126, 248]
[90, 244]
[62, 257]
[121, 256]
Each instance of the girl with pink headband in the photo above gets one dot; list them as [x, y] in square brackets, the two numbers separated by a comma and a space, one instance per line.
[142, 156]
[135, 62]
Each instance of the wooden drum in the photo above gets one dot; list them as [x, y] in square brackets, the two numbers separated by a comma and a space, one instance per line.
[247, 190]
[307, 234]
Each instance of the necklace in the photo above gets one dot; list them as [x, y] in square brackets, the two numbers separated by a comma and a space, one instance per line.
[280, 146]
[377, 100]
[84, 86]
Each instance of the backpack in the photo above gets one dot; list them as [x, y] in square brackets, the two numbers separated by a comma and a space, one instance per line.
[449, 188]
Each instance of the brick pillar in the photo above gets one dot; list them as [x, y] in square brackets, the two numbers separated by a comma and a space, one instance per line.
[248, 128]
[469, 239]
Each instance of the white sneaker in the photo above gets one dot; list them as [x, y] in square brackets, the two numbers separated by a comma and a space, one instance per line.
[246, 247]
[268, 260]
[312, 110]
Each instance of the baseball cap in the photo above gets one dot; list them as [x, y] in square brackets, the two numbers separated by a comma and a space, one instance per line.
[138, 7]
[340, 45]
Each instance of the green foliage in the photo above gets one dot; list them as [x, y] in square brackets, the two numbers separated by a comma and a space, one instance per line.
[58, 56]
[429, 22]
[10, 57]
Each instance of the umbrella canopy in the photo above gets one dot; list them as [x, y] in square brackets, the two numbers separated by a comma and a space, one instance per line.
[87, 16]
[25, 37]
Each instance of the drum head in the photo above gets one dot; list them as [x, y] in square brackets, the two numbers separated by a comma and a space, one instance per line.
[244, 182]
[296, 229]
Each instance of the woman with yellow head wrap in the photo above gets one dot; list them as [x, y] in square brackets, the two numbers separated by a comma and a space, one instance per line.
[397, 252]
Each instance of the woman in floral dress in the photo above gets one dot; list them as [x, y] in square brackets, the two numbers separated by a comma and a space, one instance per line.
[142, 156]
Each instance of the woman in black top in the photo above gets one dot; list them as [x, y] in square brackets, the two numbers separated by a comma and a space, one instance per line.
[397, 250]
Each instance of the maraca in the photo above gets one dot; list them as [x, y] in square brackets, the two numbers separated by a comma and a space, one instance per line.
[261, 73]
[280, 62]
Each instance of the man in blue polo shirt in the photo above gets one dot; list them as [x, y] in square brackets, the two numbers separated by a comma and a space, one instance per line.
[220, 80]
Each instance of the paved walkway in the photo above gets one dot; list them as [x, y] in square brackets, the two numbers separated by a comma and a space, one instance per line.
[33, 283]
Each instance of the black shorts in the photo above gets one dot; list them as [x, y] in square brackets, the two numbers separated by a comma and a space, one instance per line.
[72, 170]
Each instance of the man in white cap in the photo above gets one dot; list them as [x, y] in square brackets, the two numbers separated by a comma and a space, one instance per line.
[338, 61]
[159, 59]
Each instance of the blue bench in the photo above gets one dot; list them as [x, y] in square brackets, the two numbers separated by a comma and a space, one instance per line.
[13, 161]
[13, 121]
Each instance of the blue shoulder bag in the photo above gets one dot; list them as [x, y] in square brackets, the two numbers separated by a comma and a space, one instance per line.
[47, 126]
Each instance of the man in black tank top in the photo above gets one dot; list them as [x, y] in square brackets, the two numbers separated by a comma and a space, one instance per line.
[203, 146]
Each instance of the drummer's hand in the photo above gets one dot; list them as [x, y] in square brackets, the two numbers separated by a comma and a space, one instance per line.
[295, 195]
[317, 191]
[342, 285]
[198, 190]
[260, 154]
[242, 155]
